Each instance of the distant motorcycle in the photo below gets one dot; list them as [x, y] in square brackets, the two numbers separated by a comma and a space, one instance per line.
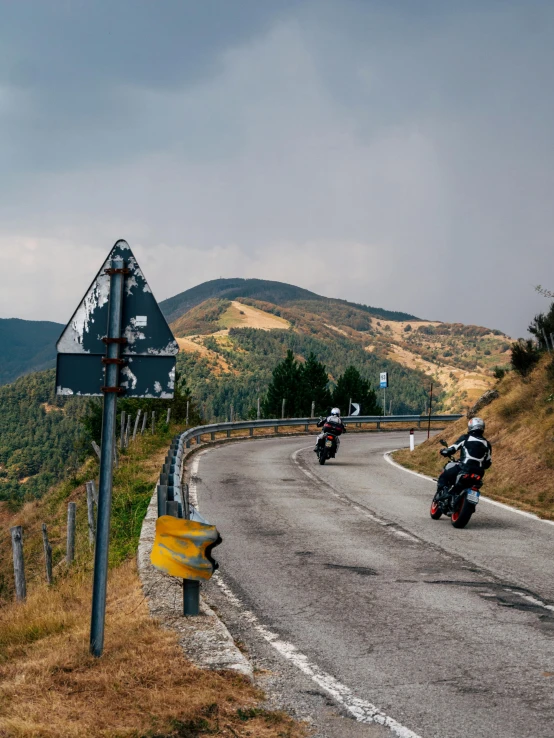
[326, 448]
[460, 500]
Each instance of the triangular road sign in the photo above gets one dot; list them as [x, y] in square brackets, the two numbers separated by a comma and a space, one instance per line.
[149, 349]
[354, 408]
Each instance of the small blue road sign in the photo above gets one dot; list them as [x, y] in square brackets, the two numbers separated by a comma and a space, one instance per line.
[148, 348]
[383, 380]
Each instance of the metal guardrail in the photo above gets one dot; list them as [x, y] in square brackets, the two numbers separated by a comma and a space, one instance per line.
[172, 493]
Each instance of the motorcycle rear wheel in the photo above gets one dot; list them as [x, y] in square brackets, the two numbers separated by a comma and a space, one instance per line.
[461, 517]
[322, 456]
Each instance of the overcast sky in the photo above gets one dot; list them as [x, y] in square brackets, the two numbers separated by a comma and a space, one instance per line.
[398, 153]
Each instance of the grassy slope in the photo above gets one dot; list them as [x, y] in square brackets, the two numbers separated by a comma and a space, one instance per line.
[520, 426]
[143, 685]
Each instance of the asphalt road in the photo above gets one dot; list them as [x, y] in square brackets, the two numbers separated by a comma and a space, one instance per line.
[352, 601]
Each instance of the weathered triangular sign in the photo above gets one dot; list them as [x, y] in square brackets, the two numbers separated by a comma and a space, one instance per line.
[149, 347]
[354, 408]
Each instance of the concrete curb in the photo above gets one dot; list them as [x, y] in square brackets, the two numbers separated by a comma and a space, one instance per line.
[204, 639]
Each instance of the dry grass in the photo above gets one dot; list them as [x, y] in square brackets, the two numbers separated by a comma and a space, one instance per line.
[520, 426]
[143, 686]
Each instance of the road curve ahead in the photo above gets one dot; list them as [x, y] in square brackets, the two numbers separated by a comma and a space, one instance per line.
[355, 601]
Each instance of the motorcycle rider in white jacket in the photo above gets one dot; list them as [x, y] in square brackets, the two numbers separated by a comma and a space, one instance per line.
[331, 424]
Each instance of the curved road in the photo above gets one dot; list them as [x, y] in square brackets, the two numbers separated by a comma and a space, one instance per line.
[352, 601]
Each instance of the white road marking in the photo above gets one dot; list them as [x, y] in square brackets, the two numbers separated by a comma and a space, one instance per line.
[387, 457]
[362, 710]
[385, 523]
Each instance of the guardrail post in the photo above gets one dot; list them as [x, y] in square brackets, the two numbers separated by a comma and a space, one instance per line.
[212, 436]
[306, 428]
[378, 425]
[162, 499]
[191, 597]
[172, 507]
[18, 563]
[276, 429]
[228, 433]
[251, 431]
[191, 588]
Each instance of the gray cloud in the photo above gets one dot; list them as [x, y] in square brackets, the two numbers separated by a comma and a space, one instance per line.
[361, 149]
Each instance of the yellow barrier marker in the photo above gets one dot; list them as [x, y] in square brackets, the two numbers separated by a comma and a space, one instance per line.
[182, 548]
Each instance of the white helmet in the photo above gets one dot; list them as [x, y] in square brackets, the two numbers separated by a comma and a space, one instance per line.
[335, 411]
[476, 425]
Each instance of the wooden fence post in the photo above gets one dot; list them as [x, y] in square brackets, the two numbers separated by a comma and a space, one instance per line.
[18, 563]
[168, 415]
[153, 421]
[144, 419]
[136, 424]
[47, 554]
[128, 431]
[122, 439]
[90, 513]
[70, 550]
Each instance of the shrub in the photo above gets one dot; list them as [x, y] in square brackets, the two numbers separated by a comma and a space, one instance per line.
[407, 328]
[525, 355]
[499, 372]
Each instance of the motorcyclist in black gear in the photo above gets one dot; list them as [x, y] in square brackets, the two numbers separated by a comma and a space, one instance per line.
[475, 455]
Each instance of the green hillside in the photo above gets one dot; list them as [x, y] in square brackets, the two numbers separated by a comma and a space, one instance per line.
[278, 293]
[26, 346]
[41, 437]
[251, 354]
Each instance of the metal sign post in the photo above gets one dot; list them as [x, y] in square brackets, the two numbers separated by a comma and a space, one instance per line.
[383, 384]
[111, 390]
[430, 406]
[117, 342]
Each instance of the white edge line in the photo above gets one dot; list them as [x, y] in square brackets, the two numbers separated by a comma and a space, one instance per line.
[387, 457]
[362, 710]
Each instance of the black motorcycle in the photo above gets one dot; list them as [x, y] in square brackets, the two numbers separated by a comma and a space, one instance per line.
[460, 500]
[326, 448]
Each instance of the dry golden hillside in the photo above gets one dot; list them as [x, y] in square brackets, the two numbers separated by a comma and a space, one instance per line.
[458, 358]
[520, 426]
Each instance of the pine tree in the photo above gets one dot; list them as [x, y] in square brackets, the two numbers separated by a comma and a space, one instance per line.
[314, 387]
[352, 386]
[285, 385]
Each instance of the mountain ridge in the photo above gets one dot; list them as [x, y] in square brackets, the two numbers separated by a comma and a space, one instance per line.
[278, 293]
[26, 346]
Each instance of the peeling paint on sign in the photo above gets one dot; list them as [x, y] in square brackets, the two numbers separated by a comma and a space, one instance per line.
[150, 343]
